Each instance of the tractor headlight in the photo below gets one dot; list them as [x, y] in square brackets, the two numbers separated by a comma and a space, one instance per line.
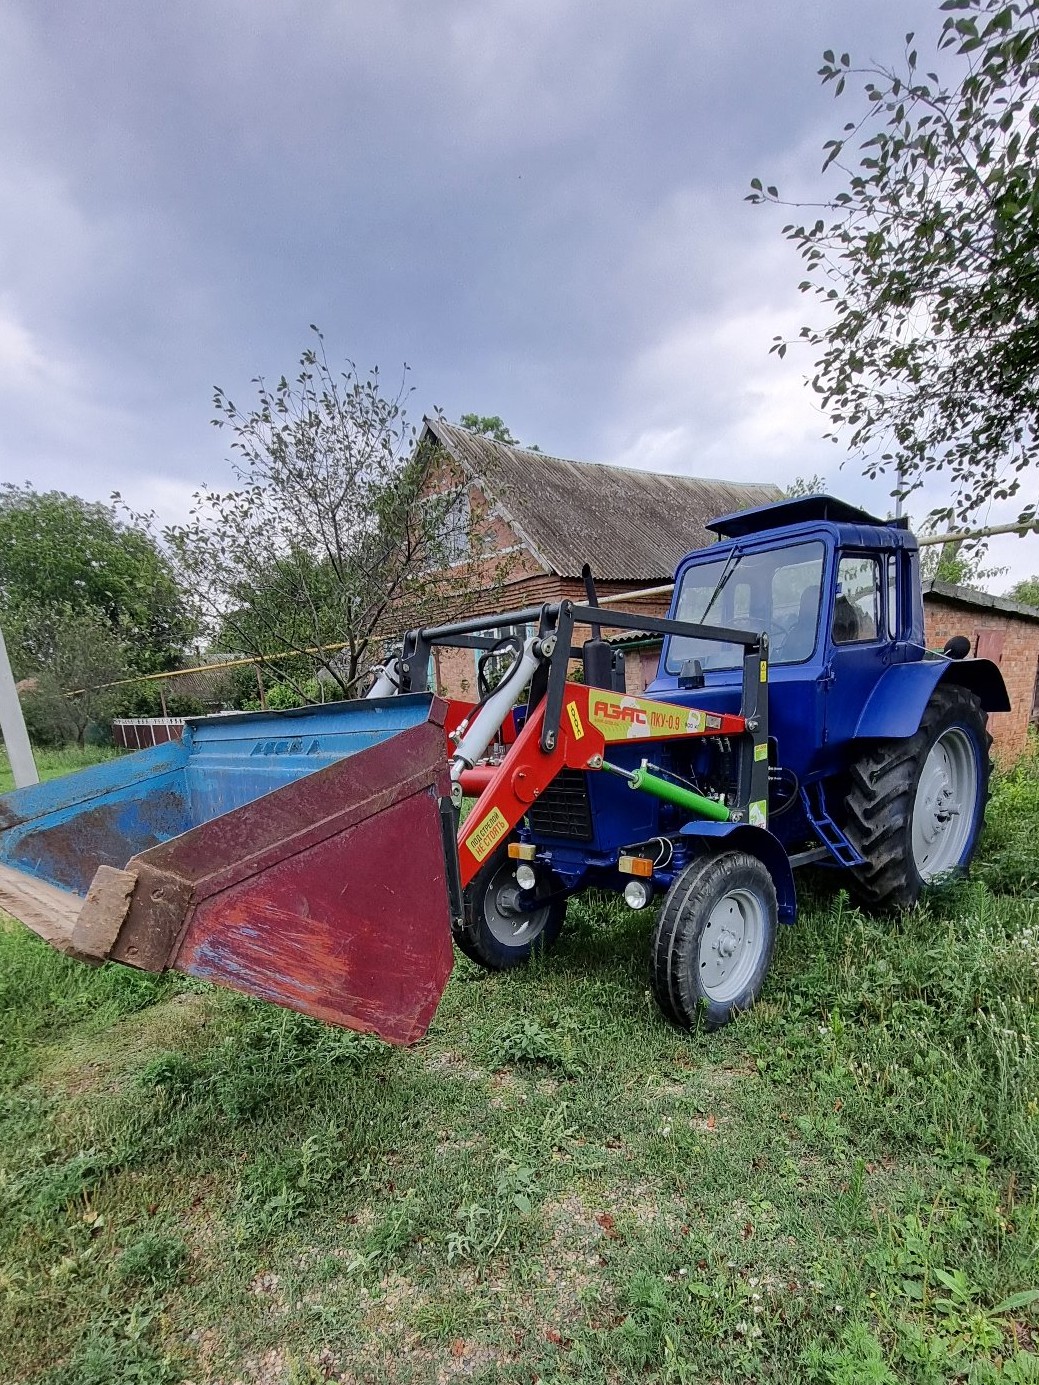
[525, 876]
[636, 894]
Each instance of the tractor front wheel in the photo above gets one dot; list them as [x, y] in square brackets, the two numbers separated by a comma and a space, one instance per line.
[502, 924]
[713, 941]
[915, 807]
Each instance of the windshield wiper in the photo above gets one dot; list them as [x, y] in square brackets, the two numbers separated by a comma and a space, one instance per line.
[730, 567]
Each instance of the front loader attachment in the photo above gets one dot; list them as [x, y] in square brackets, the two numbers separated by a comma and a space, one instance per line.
[301, 856]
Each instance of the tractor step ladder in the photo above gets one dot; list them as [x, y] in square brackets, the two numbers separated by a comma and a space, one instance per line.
[837, 844]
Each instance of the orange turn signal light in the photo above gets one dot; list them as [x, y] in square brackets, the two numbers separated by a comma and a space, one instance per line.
[522, 851]
[635, 865]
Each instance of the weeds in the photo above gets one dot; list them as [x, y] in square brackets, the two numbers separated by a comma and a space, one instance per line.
[153, 1260]
[391, 1235]
[120, 1351]
[269, 1053]
[525, 1040]
[278, 1187]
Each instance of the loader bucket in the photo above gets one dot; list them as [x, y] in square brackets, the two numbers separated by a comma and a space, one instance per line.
[301, 856]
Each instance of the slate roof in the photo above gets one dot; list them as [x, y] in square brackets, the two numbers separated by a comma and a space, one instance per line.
[982, 601]
[632, 526]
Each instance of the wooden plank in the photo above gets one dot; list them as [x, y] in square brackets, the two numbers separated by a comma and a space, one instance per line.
[49, 912]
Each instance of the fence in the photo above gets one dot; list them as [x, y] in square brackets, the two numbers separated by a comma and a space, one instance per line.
[137, 733]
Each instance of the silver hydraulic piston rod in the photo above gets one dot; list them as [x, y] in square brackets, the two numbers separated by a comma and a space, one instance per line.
[482, 727]
[388, 680]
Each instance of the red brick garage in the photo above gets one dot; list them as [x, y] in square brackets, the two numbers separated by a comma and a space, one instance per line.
[998, 629]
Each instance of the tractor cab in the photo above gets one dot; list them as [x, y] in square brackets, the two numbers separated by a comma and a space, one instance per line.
[837, 592]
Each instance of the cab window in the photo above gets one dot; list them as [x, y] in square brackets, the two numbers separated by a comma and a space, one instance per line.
[893, 622]
[777, 591]
[856, 610]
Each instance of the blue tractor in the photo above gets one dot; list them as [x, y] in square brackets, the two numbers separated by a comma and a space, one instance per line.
[322, 858]
[870, 752]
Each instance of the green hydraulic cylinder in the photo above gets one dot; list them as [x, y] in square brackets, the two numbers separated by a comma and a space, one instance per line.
[671, 793]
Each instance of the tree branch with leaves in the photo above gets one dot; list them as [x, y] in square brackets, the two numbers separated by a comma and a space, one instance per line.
[337, 533]
[927, 261]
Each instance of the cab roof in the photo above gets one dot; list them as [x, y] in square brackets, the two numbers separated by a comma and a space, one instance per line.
[801, 510]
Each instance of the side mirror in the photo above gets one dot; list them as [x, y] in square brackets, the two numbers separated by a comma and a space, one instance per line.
[957, 648]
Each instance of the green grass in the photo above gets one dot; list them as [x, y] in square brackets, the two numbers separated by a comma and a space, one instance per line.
[51, 762]
[554, 1185]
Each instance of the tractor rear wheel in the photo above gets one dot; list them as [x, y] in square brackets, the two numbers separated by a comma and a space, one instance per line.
[915, 807]
[713, 941]
[503, 925]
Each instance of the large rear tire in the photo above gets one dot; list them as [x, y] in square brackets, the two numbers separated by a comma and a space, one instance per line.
[915, 807]
[713, 941]
[496, 930]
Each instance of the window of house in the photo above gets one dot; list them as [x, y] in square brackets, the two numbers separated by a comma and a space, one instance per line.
[447, 524]
[856, 611]
[456, 533]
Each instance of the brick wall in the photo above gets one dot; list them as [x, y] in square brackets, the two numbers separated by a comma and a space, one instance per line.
[640, 668]
[1009, 641]
[456, 673]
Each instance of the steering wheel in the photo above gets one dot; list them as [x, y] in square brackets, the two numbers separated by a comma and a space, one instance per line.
[508, 643]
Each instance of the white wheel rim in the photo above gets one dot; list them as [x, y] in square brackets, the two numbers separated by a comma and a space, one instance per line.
[509, 924]
[945, 804]
[730, 946]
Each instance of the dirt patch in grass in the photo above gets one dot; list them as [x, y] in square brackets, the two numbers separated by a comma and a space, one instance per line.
[95, 1062]
[447, 1062]
[270, 1368]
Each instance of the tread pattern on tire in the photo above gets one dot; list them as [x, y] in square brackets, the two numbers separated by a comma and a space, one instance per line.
[671, 951]
[880, 794]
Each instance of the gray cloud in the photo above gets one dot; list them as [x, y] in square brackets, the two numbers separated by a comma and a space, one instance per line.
[536, 203]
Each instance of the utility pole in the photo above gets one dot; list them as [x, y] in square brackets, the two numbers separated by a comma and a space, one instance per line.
[12, 725]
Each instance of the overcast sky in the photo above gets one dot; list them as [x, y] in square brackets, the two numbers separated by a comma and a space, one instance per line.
[537, 204]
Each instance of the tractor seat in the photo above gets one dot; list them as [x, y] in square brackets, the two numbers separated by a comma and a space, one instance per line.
[846, 628]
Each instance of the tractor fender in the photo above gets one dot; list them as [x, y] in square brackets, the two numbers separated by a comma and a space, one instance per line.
[897, 703]
[759, 842]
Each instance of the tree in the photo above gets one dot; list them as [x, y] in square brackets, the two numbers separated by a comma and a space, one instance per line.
[59, 553]
[1026, 591]
[958, 562]
[928, 260]
[71, 653]
[493, 427]
[805, 485]
[490, 426]
[340, 532]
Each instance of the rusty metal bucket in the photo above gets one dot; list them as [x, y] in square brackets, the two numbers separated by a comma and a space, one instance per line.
[302, 856]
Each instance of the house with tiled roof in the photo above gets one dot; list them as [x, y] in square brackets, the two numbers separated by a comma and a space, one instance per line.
[526, 523]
